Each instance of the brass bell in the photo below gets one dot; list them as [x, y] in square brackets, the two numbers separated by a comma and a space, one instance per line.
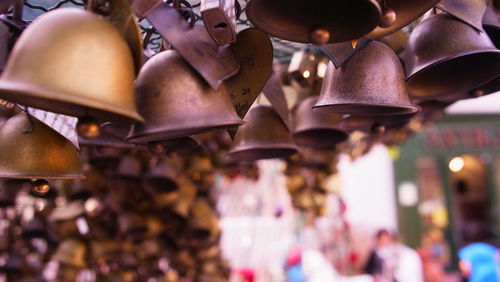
[405, 12]
[397, 41]
[29, 149]
[86, 68]
[71, 252]
[303, 67]
[317, 22]
[314, 129]
[203, 222]
[166, 87]
[491, 24]
[370, 83]
[446, 56]
[186, 197]
[160, 183]
[263, 136]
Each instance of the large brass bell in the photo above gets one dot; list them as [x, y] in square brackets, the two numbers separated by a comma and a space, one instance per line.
[446, 56]
[317, 22]
[71, 252]
[398, 14]
[371, 83]
[263, 136]
[29, 149]
[166, 88]
[86, 68]
[312, 129]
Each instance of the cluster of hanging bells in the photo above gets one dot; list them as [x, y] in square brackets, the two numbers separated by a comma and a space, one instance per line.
[92, 69]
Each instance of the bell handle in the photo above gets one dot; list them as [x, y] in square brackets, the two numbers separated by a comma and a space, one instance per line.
[101, 7]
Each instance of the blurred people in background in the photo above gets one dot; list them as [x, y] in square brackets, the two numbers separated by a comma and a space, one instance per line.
[435, 255]
[391, 261]
[480, 262]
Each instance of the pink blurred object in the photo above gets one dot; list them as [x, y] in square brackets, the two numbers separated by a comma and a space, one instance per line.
[294, 255]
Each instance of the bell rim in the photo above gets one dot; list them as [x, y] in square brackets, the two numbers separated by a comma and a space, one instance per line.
[439, 61]
[300, 39]
[287, 148]
[361, 109]
[167, 133]
[33, 176]
[18, 92]
[339, 136]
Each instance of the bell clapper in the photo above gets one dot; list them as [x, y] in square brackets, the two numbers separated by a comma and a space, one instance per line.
[88, 127]
[156, 148]
[388, 18]
[41, 187]
[319, 35]
[378, 129]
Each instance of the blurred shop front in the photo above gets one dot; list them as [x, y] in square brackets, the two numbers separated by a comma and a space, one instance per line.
[448, 184]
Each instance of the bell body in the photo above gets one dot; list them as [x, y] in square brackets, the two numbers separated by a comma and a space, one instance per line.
[491, 24]
[371, 83]
[86, 68]
[177, 102]
[446, 56]
[263, 136]
[406, 13]
[294, 20]
[369, 124]
[312, 129]
[42, 154]
[111, 135]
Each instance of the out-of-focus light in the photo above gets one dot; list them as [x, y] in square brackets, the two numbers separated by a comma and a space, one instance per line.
[306, 74]
[456, 164]
[322, 66]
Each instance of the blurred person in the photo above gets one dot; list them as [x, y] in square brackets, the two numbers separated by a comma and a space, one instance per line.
[480, 262]
[391, 261]
[435, 255]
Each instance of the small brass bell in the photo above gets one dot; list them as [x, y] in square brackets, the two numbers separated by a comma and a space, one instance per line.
[370, 83]
[446, 56]
[71, 252]
[29, 149]
[86, 68]
[317, 22]
[314, 129]
[303, 67]
[263, 136]
[203, 222]
[405, 12]
[166, 87]
[160, 183]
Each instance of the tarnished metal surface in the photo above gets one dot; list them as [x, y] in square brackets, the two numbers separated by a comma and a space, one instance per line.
[294, 20]
[446, 56]
[406, 12]
[219, 17]
[397, 41]
[177, 102]
[263, 136]
[92, 78]
[312, 129]
[370, 83]
[42, 154]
